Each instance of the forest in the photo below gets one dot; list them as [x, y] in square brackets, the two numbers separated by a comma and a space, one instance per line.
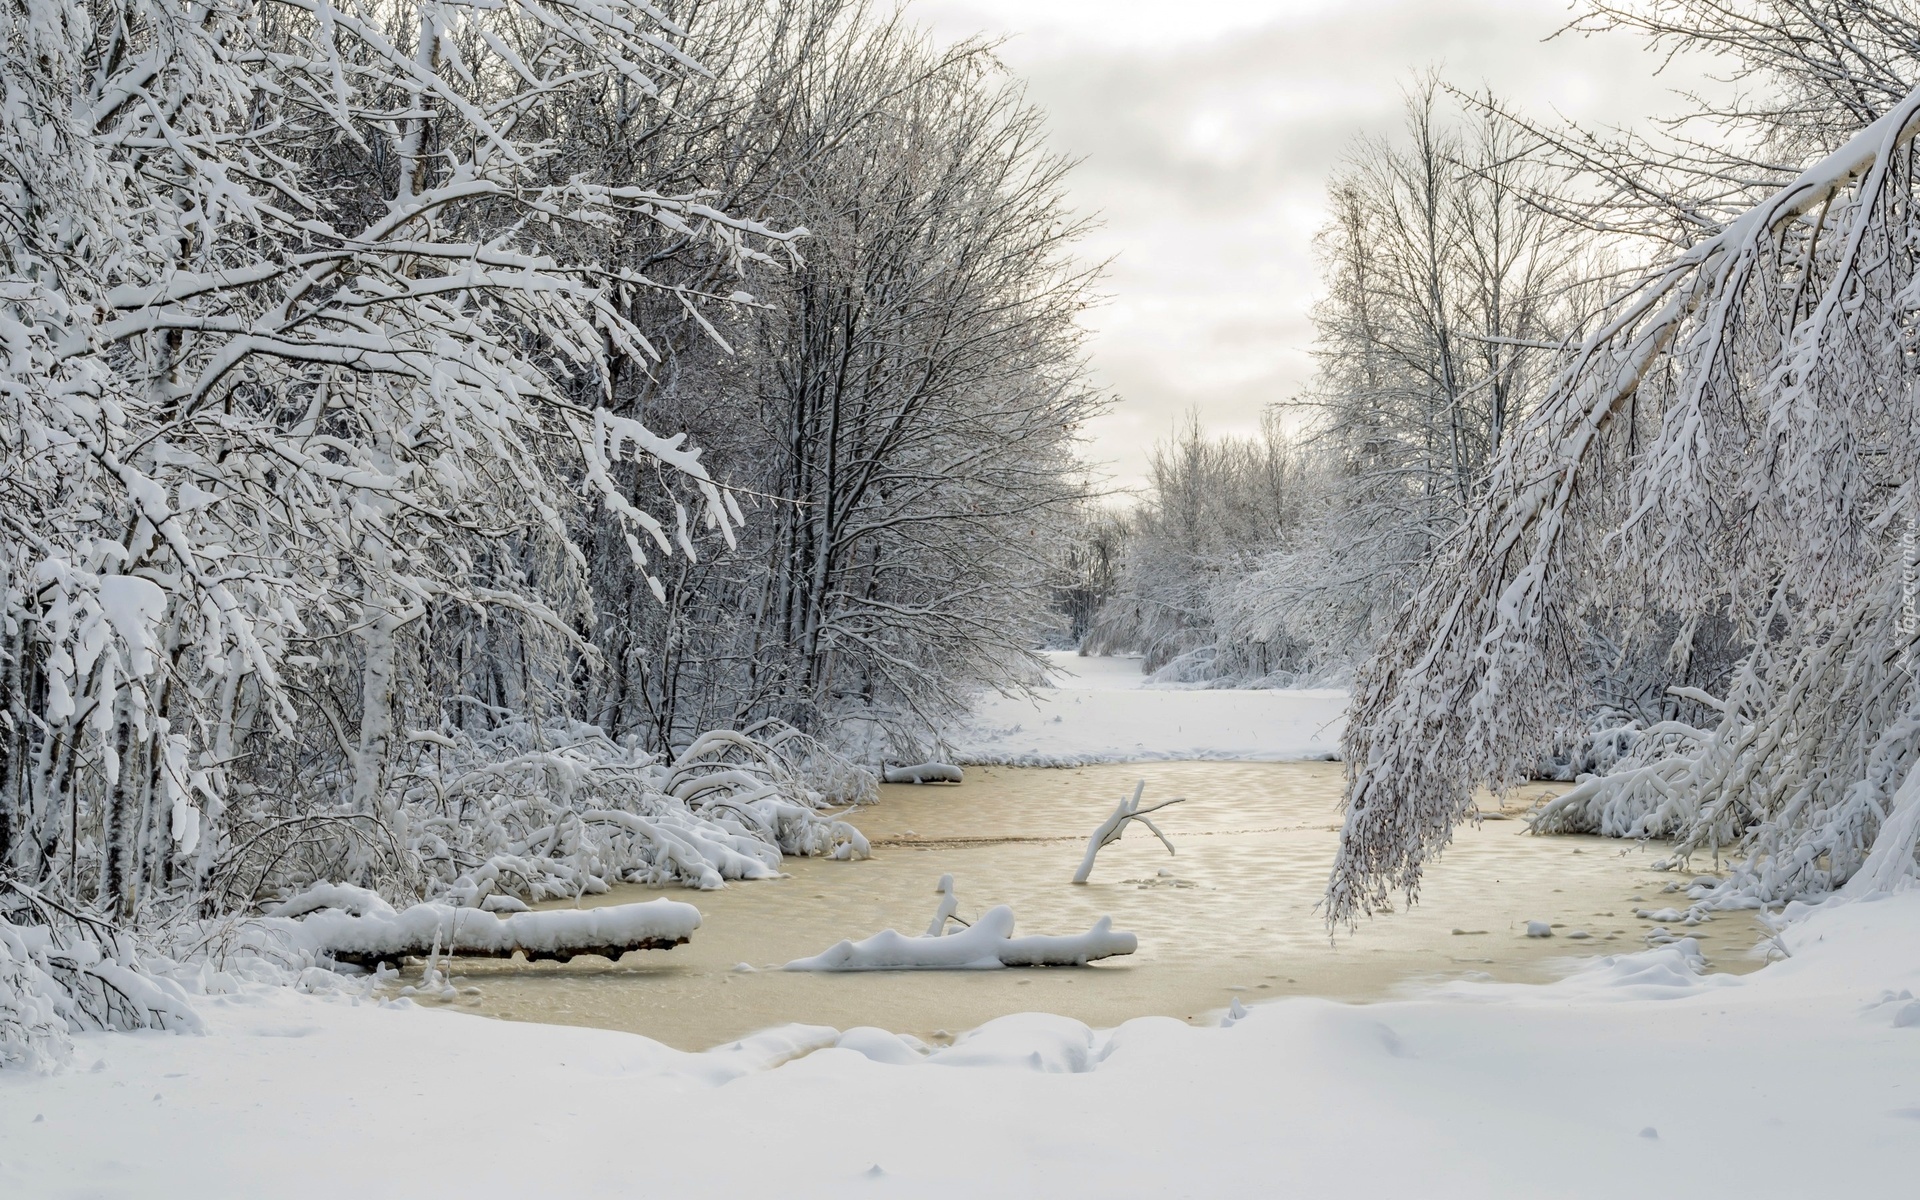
[461, 458]
[405, 401]
[1606, 474]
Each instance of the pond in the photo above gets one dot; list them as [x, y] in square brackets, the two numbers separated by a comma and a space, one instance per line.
[1232, 914]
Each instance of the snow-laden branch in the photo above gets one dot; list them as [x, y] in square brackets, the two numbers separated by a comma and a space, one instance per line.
[1735, 438]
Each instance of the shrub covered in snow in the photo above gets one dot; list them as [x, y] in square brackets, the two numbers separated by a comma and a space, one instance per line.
[526, 812]
[63, 975]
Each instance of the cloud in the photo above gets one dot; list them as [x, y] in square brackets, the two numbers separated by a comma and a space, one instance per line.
[1206, 135]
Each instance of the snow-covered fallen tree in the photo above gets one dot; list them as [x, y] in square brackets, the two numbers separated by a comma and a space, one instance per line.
[352, 925]
[986, 944]
[1735, 440]
[63, 973]
[927, 772]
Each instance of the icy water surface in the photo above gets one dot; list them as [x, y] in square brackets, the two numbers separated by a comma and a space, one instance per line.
[1232, 914]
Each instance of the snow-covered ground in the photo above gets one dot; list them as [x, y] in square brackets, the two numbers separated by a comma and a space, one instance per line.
[1632, 1077]
[1101, 710]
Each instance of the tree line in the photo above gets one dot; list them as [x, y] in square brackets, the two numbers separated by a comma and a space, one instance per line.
[399, 398]
[1606, 472]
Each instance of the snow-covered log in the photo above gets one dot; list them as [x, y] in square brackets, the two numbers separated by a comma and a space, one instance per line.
[927, 772]
[557, 936]
[1115, 825]
[986, 945]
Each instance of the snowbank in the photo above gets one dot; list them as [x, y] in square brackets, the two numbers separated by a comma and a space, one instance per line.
[1103, 710]
[1635, 1074]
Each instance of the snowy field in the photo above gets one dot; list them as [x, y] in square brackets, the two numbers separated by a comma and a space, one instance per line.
[1632, 1075]
[1100, 710]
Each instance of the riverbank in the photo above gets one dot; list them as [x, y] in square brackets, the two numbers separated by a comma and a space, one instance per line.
[1636, 1072]
[1631, 1076]
[1101, 710]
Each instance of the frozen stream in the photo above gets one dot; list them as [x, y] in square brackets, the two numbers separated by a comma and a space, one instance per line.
[1232, 914]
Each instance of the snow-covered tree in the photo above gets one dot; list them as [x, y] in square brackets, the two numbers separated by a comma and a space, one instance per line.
[296, 358]
[1450, 290]
[1212, 507]
[900, 418]
[1735, 441]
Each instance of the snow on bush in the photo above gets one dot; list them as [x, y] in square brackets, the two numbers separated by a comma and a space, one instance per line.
[64, 976]
[33, 1033]
[524, 812]
[539, 814]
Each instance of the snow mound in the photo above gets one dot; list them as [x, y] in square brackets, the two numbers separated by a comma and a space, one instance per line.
[1041, 1042]
[881, 1046]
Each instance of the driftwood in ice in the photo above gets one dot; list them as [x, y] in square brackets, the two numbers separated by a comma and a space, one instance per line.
[350, 925]
[1115, 825]
[944, 912]
[987, 944]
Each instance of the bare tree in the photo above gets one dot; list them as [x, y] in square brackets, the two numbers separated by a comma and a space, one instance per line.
[901, 416]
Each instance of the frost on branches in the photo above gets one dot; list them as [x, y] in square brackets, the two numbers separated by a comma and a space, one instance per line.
[1738, 441]
[301, 367]
[305, 324]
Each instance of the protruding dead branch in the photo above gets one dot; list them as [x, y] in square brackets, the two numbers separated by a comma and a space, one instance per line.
[1115, 825]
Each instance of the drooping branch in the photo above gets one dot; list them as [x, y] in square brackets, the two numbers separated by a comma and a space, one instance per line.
[1732, 440]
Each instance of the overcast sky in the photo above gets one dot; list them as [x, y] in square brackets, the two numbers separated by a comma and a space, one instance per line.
[1208, 130]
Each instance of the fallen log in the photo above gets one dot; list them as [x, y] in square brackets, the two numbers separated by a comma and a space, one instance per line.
[986, 945]
[927, 772]
[558, 935]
